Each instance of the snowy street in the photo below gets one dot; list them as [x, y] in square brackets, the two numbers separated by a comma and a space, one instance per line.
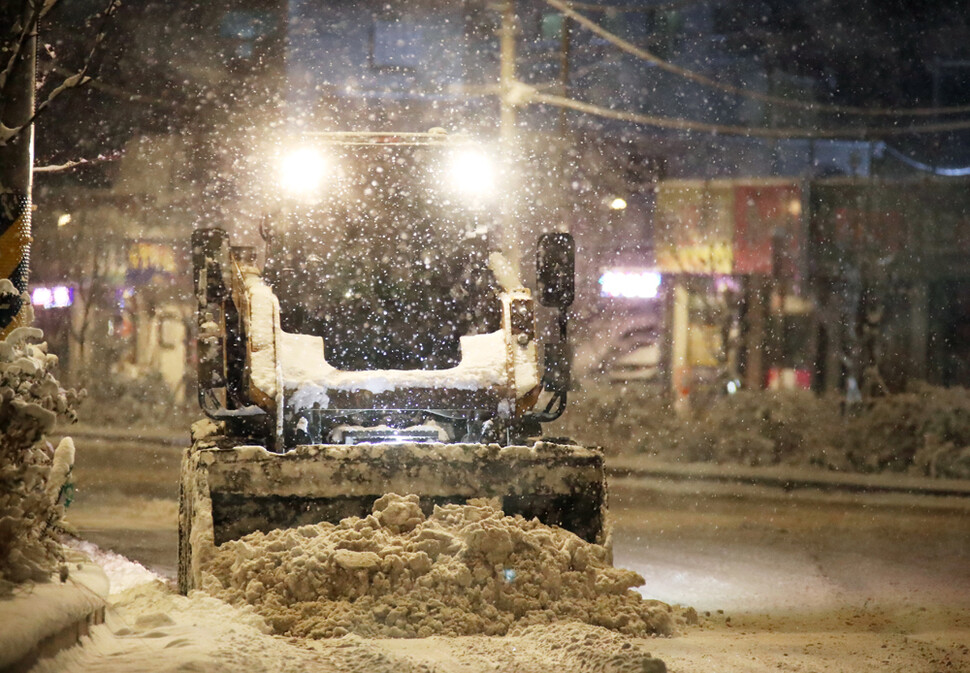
[506, 336]
[127, 499]
[811, 584]
[807, 582]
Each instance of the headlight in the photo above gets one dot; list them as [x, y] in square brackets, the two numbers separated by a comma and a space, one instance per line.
[302, 172]
[471, 173]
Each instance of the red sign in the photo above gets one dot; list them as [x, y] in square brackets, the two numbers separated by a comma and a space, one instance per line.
[767, 234]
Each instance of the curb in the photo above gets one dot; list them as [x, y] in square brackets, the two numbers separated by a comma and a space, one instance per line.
[42, 619]
[786, 479]
[50, 645]
[146, 435]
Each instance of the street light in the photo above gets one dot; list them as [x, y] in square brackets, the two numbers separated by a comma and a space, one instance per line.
[618, 204]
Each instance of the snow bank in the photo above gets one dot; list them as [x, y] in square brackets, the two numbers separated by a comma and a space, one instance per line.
[924, 431]
[39, 615]
[122, 573]
[466, 569]
[149, 627]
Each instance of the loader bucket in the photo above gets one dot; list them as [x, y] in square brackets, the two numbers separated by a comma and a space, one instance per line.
[226, 493]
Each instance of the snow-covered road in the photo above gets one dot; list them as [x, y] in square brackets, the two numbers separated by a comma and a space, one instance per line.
[821, 583]
[789, 582]
[784, 553]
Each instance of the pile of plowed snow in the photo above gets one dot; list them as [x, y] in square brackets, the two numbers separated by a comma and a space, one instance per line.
[466, 569]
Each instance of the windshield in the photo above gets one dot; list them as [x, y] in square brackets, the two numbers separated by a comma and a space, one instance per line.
[386, 264]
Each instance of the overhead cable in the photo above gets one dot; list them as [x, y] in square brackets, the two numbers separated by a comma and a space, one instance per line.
[861, 133]
[664, 7]
[919, 165]
[695, 76]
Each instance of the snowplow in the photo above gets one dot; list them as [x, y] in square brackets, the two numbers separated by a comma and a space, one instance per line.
[384, 344]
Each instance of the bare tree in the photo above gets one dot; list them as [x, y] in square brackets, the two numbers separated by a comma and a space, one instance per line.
[19, 28]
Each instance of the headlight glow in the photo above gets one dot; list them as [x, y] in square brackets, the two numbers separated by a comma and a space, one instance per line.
[302, 172]
[471, 173]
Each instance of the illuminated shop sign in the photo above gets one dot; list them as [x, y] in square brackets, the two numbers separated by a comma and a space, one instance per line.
[629, 284]
[58, 296]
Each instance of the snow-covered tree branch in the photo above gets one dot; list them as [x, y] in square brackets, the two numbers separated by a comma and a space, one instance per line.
[74, 163]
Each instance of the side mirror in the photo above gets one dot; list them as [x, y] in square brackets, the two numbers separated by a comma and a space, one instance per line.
[555, 269]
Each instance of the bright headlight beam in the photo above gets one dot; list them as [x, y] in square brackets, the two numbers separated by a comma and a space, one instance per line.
[302, 171]
[471, 173]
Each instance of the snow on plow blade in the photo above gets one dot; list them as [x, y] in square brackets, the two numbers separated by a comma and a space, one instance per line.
[226, 493]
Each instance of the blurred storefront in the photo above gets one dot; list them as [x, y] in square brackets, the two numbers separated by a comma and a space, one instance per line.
[847, 284]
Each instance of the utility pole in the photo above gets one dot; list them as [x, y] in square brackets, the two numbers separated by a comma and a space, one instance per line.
[566, 192]
[507, 71]
[565, 50]
[16, 160]
[507, 132]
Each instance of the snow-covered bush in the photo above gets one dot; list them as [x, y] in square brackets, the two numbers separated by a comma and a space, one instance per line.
[117, 399]
[31, 400]
[785, 427]
[750, 428]
[618, 417]
[924, 430]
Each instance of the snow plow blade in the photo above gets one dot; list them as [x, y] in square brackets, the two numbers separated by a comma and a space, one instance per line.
[226, 492]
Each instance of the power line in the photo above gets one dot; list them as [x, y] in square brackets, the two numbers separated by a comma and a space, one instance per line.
[954, 172]
[695, 76]
[860, 133]
[663, 7]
